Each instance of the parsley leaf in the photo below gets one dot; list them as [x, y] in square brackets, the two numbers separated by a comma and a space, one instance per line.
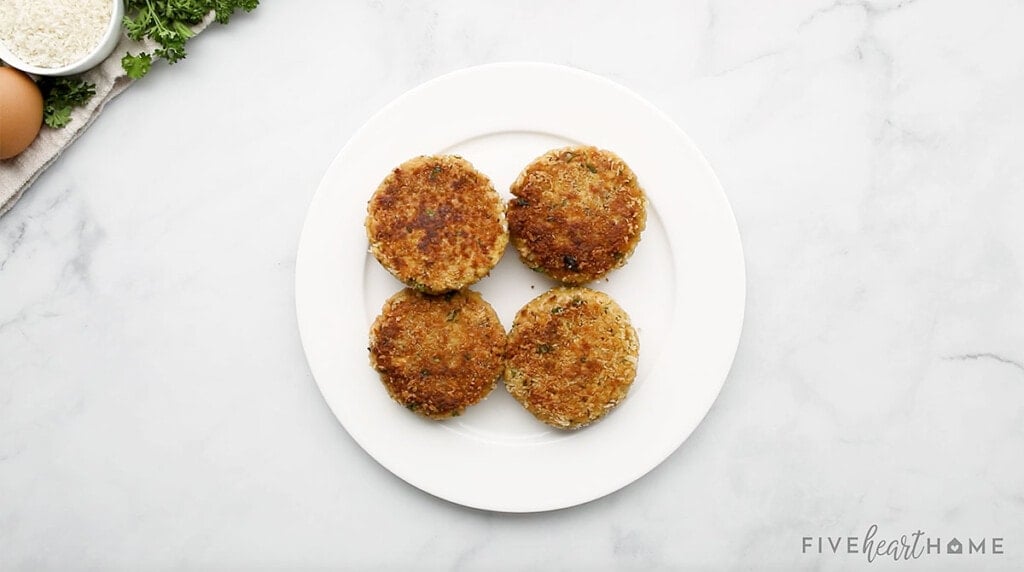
[60, 95]
[136, 66]
[169, 23]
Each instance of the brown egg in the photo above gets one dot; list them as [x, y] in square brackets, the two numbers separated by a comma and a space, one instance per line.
[21, 112]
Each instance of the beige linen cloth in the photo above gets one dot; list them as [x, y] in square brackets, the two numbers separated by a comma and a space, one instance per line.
[18, 173]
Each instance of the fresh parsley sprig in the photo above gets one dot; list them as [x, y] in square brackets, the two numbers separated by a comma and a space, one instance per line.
[169, 23]
[61, 95]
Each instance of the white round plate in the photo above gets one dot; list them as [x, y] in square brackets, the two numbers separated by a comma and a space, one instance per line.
[683, 288]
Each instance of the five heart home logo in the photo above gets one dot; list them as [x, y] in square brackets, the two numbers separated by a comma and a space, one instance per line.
[903, 547]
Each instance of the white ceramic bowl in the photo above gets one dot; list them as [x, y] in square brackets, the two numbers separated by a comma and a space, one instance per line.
[106, 45]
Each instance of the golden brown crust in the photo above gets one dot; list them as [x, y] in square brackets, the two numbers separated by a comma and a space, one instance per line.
[437, 355]
[437, 224]
[578, 213]
[571, 356]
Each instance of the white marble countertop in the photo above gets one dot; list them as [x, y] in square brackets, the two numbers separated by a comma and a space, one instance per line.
[156, 410]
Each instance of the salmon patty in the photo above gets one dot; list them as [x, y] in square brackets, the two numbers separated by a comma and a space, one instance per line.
[437, 224]
[577, 214]
[437, 355]
[571, 356]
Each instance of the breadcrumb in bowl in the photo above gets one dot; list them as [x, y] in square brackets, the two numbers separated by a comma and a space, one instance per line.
[58, 37]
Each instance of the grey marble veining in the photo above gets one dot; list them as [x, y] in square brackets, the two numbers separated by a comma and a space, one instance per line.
[156, 410]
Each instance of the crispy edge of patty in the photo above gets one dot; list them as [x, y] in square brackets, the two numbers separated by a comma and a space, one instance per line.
[578, 213]
[437, 355]
[437, 224]
[571, 356]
